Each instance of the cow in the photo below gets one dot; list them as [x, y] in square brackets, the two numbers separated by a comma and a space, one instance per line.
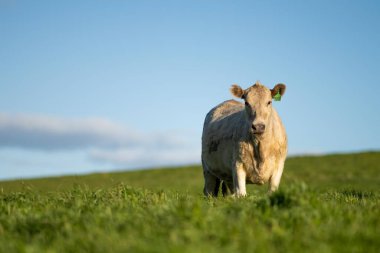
[244, 143]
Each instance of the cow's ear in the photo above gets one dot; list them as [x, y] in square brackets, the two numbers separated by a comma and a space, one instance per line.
[237, 91]
[279, 88]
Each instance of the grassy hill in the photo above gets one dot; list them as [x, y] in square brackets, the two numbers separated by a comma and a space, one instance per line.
[325, 204]
[359, 171]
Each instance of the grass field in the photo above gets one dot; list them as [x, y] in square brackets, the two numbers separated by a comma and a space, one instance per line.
[325, 204]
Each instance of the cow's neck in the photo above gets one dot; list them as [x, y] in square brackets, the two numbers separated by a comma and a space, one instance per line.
[262, 143]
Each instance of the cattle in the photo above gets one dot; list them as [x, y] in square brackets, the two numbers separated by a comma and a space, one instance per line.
[244, 142]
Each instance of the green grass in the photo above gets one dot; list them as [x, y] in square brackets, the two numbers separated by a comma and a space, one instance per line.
[325, 204]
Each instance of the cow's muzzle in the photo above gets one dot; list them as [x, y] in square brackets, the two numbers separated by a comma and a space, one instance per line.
[258, 128]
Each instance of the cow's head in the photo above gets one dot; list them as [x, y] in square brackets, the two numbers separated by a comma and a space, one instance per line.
[258, 104]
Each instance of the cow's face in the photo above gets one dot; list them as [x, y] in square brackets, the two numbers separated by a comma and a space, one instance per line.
[258, 104]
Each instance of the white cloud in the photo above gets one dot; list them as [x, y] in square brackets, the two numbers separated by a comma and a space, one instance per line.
[53, 133]
[147, 156]
[102, 140]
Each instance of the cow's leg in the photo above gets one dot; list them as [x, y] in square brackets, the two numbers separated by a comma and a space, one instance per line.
[239, 180]
[212, 184]
[227, 188]
[276, 178]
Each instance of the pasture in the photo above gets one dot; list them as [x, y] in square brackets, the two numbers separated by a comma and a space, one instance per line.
[324, 204]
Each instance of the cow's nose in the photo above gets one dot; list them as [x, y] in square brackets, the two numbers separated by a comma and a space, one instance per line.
[258, 128]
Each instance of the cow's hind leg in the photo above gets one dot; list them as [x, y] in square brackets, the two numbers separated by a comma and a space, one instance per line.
[212, 184]
[227, 188]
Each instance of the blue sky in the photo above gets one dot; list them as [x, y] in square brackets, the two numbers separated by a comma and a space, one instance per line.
[102, 85]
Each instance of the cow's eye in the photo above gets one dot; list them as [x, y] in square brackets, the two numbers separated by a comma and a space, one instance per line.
[270, 102]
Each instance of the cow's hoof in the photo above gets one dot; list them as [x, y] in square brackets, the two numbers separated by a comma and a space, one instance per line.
[239, 195]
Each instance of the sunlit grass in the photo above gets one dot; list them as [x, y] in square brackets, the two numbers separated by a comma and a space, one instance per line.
[325, 204]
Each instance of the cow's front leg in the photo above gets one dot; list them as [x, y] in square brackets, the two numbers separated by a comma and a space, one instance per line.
[239, 178]
[276, 178]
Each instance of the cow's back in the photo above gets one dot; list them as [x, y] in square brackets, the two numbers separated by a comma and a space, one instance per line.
[219, 128]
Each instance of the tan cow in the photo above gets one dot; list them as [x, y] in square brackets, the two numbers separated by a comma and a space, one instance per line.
[244, 143]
